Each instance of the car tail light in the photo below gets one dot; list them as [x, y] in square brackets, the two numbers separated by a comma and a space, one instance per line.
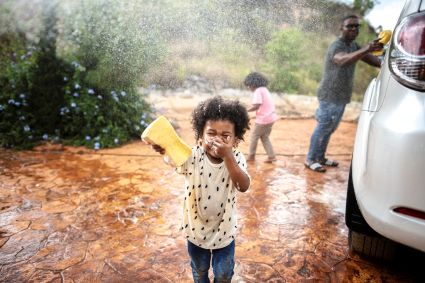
[407, 57]
[410, 212]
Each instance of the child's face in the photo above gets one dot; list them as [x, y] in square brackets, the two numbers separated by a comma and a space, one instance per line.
[221, 132]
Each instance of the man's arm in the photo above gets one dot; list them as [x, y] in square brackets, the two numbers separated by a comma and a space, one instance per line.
[344, 58]
[372, 60]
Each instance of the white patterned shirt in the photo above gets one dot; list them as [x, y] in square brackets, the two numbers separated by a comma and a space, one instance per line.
[209, 210]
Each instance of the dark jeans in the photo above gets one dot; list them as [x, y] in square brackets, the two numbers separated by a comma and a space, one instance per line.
[328, 116]
[222, 262]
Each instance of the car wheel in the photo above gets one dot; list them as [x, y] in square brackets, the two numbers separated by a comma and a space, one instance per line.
[362, 239]
[373, 247]
[353, 216]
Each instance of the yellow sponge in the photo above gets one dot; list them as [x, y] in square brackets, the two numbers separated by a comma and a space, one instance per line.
[384, 37]
[162, 133]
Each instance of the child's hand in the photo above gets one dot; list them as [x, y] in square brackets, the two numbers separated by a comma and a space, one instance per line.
[161, 151]
[158, 149]
[221, 147]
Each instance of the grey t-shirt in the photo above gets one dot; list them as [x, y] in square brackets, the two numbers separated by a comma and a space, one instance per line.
[337, 82]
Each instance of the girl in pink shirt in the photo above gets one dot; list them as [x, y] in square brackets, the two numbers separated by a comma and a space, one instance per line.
[263, 104]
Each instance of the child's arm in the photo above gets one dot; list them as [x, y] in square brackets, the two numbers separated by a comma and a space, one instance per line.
[254, 107]
[161, 151]
[238, 176]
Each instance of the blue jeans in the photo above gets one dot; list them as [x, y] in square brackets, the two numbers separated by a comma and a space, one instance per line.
[328, 116]
[222, 262]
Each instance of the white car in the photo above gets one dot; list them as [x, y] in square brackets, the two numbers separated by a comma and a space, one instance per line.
[386, 187]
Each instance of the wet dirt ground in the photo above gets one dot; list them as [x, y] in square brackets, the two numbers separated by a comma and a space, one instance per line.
[77, 215]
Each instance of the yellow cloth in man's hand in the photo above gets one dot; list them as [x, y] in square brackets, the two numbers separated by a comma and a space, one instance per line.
[162, 133]
[384, 37]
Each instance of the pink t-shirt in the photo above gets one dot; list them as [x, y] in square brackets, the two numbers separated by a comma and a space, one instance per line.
[266, 113]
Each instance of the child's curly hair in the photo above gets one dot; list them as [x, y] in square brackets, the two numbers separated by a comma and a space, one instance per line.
[256, 80]
[217, 108]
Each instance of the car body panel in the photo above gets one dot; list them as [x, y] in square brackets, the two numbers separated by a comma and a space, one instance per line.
[388, 165]
[411, 6]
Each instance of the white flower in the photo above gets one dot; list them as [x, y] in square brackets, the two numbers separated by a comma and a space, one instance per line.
[27, 128]
[45, 136]
[90, 91]
[73, 104]
[88, 138]
[96, 145]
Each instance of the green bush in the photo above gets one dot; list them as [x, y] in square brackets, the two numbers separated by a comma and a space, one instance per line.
[16, 118]
[46, 97]
[111, 53]
[97, 117]
[292, 60]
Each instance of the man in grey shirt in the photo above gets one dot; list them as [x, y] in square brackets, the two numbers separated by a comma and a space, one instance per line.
[336, 88]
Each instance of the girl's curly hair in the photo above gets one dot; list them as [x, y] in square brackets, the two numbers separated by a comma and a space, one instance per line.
[217, 108]
[256, 80]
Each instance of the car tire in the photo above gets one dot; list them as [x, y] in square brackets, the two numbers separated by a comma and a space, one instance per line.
[373, 247]
[353, 216]
[362, 239]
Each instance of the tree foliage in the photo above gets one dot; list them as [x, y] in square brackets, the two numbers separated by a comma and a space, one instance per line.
[364, 6]
[292, 61]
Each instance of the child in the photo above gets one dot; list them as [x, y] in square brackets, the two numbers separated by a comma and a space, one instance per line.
[213, 173]
[265, 115]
